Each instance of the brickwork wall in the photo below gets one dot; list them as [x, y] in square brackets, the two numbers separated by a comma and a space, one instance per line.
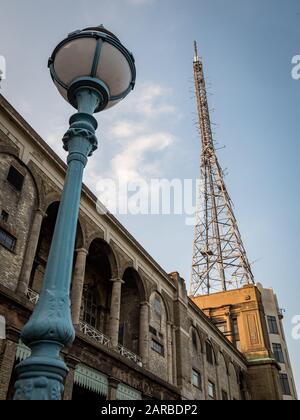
[19, 206]
[7, 360]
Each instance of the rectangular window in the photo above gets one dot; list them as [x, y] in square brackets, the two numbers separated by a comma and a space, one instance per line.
[211, 391]
[272, 323]
[196, 379]
[158, 347]
[284, 381]
[278, 353]
[7, 240]
[209, 353]
[4, 216]
[15, 178]
[152, 330]
[224, 395]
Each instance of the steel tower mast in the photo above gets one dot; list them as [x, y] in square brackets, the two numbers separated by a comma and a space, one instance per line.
[219, 258]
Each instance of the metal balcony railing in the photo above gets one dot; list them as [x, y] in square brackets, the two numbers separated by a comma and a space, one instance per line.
[33, 296]
[91, 332]
[94, 334]
[129, 355]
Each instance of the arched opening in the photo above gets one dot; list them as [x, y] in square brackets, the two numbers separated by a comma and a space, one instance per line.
[44, 245]
[97, 288]
[131, 299]
[196, 364]
[43, 249]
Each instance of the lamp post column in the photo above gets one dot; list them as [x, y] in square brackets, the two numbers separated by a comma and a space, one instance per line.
[50, 327]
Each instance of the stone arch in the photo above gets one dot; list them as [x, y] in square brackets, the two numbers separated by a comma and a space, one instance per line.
[133, 272]
[96, 235]
[193, 329]
[166, 300]
[216, 349]
[101, 268]
[203, 337]
[222, 357]
[227, 360]
[146, 284]
[209, 342]
[8, 148]
[53, 197]
[112, 257]
[44, 244]
[132, 296]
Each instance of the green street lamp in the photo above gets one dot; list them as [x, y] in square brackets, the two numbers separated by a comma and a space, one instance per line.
[93, 71]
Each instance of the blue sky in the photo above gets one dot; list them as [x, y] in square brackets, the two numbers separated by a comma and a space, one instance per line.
[247, 48]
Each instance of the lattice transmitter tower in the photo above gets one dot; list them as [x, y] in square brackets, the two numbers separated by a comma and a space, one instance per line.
[219, 259]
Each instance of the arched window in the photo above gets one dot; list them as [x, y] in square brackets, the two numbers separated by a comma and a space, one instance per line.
[209, 353]
[157, 306]
[91, 307]
[131, 298]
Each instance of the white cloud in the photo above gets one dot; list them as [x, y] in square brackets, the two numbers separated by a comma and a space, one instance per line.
[131, 163]
[140, 139]
[136, 134]
[151, 101]
[126, 129]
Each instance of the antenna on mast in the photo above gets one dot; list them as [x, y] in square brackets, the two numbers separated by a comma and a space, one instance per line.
[196, 57]
[219, 260]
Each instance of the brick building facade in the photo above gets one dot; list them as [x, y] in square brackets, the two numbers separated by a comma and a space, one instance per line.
[138, 335]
